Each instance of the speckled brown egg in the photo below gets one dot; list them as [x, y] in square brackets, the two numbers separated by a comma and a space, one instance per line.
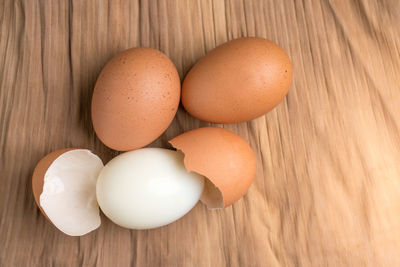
[224, 158]
[135, 98]
[237, 81]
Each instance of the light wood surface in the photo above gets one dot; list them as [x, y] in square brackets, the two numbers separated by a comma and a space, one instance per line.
[327, 190]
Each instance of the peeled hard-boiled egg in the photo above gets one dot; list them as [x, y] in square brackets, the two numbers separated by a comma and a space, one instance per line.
[221, 156]
[237, 81]
[135, 98]
[147, 188]
[64, 187]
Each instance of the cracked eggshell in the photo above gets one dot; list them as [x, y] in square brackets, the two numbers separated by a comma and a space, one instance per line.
[135, 98]
[64, 188]
[224, 158]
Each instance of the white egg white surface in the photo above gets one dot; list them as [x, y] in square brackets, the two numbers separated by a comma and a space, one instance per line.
[147, 188]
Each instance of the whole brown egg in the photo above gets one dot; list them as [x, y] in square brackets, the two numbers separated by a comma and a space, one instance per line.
[237, 81]
[135, 98]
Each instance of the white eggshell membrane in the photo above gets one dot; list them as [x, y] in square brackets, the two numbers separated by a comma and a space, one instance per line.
[69, 192]
[147, 188]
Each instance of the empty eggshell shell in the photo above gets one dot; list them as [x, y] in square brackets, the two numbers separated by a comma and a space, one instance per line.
[40, 171]
[64, 187]
[221, 156]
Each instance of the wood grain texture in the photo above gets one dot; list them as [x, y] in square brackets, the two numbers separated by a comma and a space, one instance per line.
[327, 190]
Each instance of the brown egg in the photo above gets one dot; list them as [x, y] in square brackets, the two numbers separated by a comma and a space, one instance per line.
[135, 98]
[221, 156]
[237, 81]
[64, 187]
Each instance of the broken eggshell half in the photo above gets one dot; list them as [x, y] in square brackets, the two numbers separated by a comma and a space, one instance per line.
[64, 187]
[224, 158]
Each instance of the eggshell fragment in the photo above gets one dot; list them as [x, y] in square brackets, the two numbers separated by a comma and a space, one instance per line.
[237, 81]
[135, 98]
[221, 156]
[64, 187]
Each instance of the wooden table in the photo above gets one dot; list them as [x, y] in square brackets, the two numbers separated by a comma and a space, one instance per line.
[327, 190]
